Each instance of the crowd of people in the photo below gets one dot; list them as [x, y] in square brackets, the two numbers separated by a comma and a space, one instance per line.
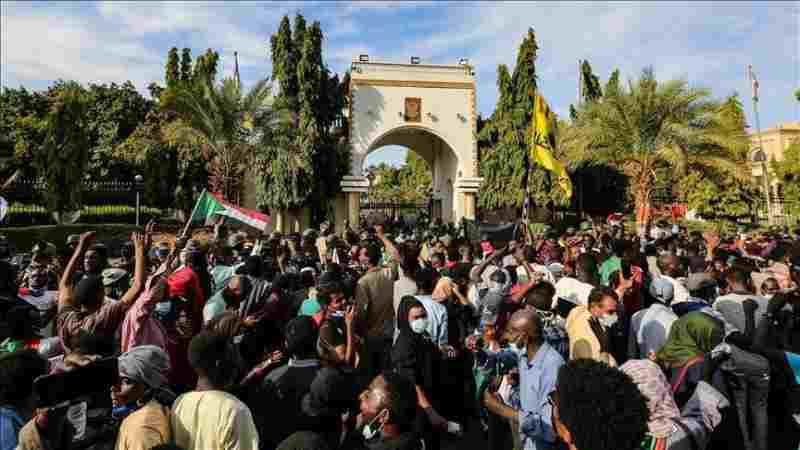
[594, 338]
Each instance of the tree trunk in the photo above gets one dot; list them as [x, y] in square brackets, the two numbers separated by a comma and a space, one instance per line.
[643, 203]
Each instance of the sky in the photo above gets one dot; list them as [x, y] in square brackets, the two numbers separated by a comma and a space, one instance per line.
[709, 44]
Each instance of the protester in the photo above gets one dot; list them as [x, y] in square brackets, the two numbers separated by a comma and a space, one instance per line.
[209, 417]
[589, 326]
[538, 366]
[597, 407]
[142, 399]
[18, 370]
[685, 429]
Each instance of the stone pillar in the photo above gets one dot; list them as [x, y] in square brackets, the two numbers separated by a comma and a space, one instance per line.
[467, 188]
[353, 187]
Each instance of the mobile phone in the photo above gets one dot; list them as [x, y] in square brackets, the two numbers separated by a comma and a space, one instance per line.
[61, 387]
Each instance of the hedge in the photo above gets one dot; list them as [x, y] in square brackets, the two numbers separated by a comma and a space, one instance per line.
[21, 215]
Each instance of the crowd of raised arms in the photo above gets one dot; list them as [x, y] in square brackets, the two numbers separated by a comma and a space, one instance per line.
[585, 339]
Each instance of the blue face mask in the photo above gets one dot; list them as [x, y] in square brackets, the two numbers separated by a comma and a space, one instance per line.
[123, 411]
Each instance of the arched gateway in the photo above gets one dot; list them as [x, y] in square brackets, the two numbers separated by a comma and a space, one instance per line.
[427, 108]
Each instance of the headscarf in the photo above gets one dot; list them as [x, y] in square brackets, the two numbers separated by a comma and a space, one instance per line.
[443, 289]
[653, 385]
[146, 364]
[406, 304]
[692, 335]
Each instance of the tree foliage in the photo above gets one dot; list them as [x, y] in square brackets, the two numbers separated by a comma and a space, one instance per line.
[649, 128]
[506, 137]
[225, 125]
[173, 74]
[787, 172]
[307, 153]
[57, 145]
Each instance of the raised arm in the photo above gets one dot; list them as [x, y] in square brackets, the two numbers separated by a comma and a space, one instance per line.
[476, 273]
[140, 250]
[65, 285]
[379, 232]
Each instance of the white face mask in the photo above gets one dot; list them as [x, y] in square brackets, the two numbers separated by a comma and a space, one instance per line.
[370, 431]
[419, 325]
[609, 320]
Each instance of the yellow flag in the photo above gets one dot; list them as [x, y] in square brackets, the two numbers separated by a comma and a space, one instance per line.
[544, 142]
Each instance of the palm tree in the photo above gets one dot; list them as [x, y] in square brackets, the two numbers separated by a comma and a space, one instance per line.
[225, 125]
[650, 128]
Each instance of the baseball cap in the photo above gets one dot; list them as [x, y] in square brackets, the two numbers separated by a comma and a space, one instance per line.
[111, 276]
[697, 281]
[662, 290]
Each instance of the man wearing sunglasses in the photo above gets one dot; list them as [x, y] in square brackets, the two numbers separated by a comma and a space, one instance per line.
[538, 368]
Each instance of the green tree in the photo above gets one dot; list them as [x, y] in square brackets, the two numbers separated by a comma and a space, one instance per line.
[294, 170]
[57, 144]
[787, 172]
[504, 142]
[649, 128]
[186, 65]
[114, 112]
[284, 60]
[797, 95]
[415, 178]
[173, 74]
[728, 193]
[14, 105]
[590, 90]
[205, 67]
[226, 125]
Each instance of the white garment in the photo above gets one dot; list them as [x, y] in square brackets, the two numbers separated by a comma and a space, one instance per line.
[573, 291]
[537, 270]
[681, 293]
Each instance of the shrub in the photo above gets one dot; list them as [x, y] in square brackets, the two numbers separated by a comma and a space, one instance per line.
[22, 215]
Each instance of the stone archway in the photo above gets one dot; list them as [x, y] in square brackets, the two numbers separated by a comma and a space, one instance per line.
[429, 108]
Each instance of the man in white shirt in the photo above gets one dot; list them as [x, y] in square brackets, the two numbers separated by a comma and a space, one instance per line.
[671, 270]
[576, 289]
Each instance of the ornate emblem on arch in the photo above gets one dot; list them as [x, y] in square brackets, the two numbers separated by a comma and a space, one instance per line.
[413, 109]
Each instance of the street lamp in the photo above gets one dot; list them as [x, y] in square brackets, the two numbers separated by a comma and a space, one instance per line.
[761, 157]
[138, 181]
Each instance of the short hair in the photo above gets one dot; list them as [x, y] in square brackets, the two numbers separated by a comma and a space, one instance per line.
[426, 279]
[541, 296]
[545, 288]
[625, 269]
[586, 263]
[214, 356]
[325, 291]
[374, 253]
[401, 399]
[18, 370]
[598, 294]
[601, 406]
[452, 254]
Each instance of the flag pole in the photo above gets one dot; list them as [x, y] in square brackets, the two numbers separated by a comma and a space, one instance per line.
[194, 210]
[754, 84]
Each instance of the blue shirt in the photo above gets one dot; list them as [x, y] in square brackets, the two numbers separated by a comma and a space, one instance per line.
[10, 424]
[537, 380]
